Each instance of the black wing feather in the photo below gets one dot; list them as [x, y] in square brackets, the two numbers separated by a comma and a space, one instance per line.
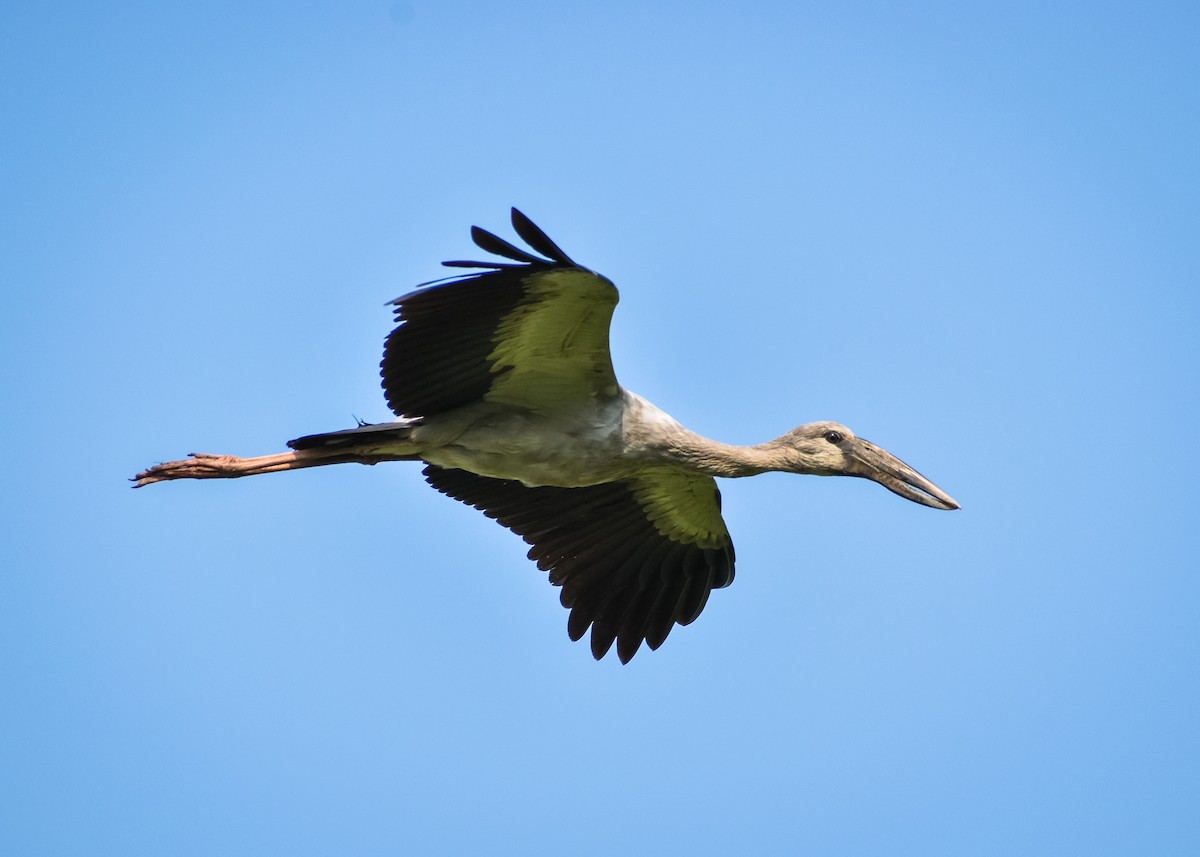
[539, 240]
[497, 245]
[437, 358]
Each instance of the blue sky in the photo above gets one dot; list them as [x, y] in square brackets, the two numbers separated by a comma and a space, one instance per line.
[967, 231]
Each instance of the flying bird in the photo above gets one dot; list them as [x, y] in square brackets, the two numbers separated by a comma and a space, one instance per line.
[503, 386]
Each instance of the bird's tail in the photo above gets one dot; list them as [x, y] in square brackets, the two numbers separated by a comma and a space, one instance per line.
[364, 444]
[364, 434]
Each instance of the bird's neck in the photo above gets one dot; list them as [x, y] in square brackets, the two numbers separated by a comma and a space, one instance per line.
[721, 459]
[653, 434]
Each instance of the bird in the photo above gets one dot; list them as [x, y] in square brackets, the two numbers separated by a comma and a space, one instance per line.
[502, 384]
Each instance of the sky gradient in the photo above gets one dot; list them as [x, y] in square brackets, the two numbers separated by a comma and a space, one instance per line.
[968, 231]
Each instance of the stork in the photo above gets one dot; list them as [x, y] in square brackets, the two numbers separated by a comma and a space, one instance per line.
[503, 385]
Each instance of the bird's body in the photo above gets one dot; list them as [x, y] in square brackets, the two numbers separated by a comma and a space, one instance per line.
[568, 450]
[503, 385]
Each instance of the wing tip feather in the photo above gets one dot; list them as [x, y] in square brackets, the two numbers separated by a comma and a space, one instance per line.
[531, 234]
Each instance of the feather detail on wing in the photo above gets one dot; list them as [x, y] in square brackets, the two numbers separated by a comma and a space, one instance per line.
[633, 558]
[531, 333]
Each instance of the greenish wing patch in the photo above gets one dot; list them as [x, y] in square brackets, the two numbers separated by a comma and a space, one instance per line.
[684, 507]
[551, 350]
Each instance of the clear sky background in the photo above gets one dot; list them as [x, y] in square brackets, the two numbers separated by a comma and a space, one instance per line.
[969, 231]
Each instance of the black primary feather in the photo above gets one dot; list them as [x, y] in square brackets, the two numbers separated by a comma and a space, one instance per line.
[539, 240]
[629, 588]
[495, 244]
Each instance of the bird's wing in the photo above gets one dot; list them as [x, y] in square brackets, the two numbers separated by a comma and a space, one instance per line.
[530, 333]
[633, 558]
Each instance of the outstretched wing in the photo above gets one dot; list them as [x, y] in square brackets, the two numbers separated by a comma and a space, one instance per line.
[531, 332]
[633, 558]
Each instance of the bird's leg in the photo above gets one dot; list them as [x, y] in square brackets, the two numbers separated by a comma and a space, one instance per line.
[203, 465]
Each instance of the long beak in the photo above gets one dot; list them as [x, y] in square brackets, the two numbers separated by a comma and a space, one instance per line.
[871, 462]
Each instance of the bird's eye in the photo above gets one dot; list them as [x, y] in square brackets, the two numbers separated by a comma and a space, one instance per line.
[833, 436]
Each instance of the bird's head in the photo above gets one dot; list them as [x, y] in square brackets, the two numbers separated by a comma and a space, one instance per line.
[831, 449]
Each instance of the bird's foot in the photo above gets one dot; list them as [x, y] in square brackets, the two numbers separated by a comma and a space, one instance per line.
[198, 465]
